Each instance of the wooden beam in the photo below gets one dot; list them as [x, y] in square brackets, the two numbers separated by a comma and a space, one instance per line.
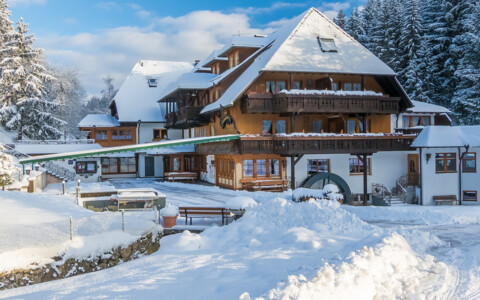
[292, 172]
[298, 159]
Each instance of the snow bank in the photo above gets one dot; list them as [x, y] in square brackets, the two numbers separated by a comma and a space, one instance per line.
[36, 227]
[240, 202]
[388, 270]
[418, 215]
[56, 188]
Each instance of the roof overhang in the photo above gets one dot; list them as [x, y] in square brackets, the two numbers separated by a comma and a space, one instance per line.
[129, 148]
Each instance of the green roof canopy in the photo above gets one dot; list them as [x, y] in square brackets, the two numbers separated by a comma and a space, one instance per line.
[129, 148]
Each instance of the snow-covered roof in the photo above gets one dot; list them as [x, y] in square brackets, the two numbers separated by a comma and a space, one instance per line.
[423, 107]
[448, 136]
[212, 57]
[7, 136]
[98, 120]
[295, 48]
[54, 148]
[137, 100]
[239, 41]
[192, 81]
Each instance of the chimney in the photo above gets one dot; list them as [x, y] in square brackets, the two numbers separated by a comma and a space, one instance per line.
[196, 62]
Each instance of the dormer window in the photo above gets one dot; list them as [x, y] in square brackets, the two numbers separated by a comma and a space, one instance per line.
[327, 45]
[152, 82]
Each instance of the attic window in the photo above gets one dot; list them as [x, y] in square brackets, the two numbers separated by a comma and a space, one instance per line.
[152, 82]
[327, 45]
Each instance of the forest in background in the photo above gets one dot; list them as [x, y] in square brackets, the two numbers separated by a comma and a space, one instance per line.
[433, 46]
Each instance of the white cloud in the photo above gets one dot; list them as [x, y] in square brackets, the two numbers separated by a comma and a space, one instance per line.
[331, 9]
[263, 10]
[114, 51]
[107, 5]
[26, 2]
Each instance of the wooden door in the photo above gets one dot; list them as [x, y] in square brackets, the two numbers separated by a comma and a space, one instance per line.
[413, 170]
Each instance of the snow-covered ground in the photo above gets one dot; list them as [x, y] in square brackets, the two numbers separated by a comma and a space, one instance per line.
[281, 249]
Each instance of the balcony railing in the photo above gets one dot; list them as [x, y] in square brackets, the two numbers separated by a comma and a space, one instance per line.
[185, 117]
[311, 103]
[325, 145]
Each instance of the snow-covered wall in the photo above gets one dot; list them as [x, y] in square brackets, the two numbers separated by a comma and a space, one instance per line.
[437, 184]
[387, 167]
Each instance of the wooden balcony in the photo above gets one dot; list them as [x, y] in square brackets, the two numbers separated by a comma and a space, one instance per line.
[286, 103]
[186, 117]
[325, 145]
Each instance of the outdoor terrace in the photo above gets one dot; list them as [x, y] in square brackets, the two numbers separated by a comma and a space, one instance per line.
[185, 117]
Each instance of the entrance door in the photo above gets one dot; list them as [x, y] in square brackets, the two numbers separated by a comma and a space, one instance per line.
[413, 170]
[149, 166]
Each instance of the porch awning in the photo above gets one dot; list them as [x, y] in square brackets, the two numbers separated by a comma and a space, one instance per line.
[129, 148]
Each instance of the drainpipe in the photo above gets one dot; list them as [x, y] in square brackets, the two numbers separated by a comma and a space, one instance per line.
[421, 178]
[139, 122]
[460, 166]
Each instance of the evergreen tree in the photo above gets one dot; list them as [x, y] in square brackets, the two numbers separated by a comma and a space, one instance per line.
[341, 19]
[7, 166]
[355, 25]
[101, 104]
[411, 43]
[370, 19]
[22, 84]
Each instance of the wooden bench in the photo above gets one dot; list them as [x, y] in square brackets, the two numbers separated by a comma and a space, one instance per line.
[205, 212]
[180, 176]
[445, 199]
[272, 185]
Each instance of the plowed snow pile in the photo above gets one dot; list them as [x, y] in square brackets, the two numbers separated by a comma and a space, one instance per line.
[278, 249]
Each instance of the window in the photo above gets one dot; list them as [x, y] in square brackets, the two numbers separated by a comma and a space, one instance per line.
[267, 127]
[413, 121]
[347, 86]
[109, 165]
[86, 167]
[357, 86]
[274, 167]
[351, 126]
[315, 166]
[177, 164]
[248, 167]
[160, 134]
[121, 134]
[469, 195]
[356, 166]
[118, 165]
[469, 163]
[275, 86]
[114, 134]
[261, 167]
[327, 45]
[128, 165]
[152, 82]
[297, 85]
[335, 86]
[445, 162]
[280, 126]
[317, 126]
[101, 135]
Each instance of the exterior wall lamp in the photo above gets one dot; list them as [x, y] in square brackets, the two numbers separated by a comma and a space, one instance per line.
[428, 156]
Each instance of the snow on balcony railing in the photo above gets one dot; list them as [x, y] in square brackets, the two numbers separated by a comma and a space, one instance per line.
[327, 134]
[55, 142]
[331, 93]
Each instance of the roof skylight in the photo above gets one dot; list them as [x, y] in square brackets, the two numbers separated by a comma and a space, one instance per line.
[327, 44]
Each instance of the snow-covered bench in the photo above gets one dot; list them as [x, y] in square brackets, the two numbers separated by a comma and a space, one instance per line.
[273, 185]
[204, 212]
[445, 199]
[180, 176]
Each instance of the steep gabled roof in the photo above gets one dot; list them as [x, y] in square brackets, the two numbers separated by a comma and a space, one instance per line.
[136, 100]
[295, 48]
[238, 41]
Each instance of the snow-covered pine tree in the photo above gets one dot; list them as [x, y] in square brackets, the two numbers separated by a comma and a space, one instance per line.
[466, 99]
[22, 85]
[6, 25]
[7, 166]
[341, 19]
[355, 25]
[411, 43]
[370, 18]
[68, 93]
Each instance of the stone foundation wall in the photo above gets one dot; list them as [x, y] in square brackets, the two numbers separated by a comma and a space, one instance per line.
[67, 268]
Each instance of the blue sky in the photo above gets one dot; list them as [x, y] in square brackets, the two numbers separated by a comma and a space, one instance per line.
[100, 38]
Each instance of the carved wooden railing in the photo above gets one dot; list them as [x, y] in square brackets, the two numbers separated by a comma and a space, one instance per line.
[289, 103]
